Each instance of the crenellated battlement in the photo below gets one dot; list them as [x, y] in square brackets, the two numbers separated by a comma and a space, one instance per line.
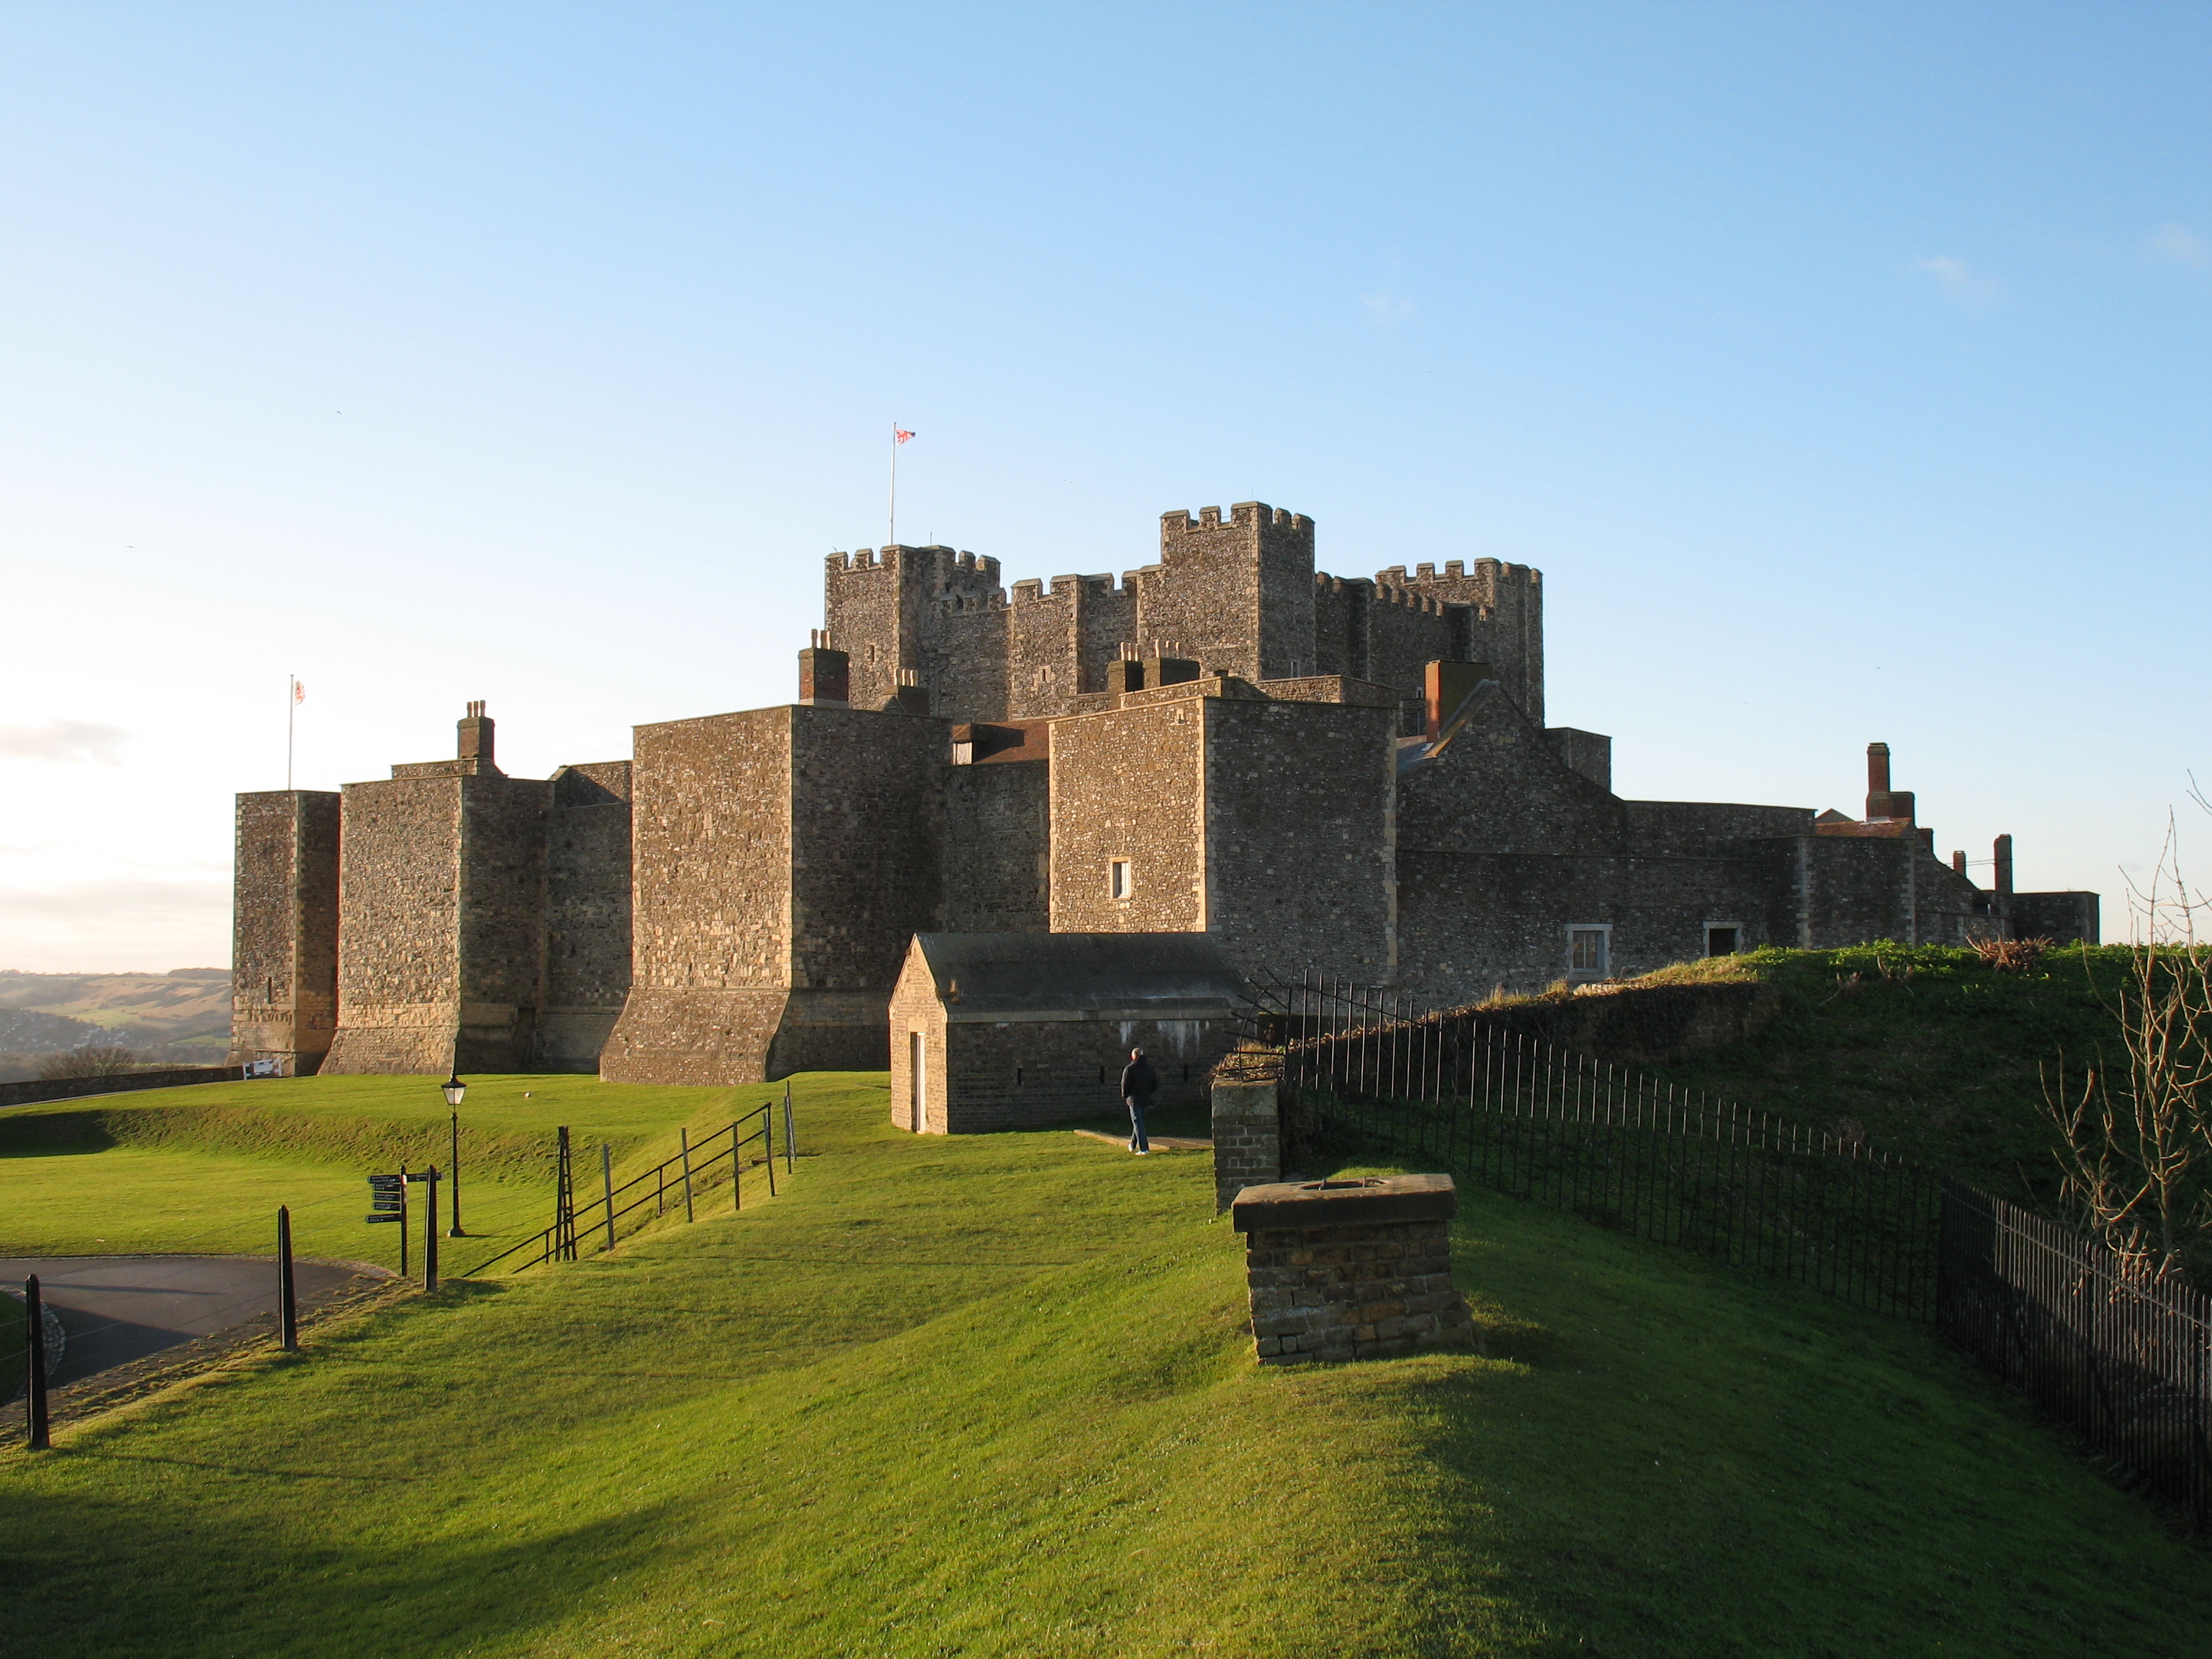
[1488, 574]
[961, 567]
[1234, 586]
[1248, 515]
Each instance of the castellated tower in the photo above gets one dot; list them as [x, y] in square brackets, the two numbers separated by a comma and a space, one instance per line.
[1237, 595]
[931, 631]
[1498, 616]
[884, 607]
[284, 957]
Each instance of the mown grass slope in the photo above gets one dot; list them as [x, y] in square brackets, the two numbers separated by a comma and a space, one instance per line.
[993, 1395]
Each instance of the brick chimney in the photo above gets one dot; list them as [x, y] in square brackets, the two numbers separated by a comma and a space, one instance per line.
[909, 695]
[2003, 882]
[476, 735]
[1883, 803]
[825, 676]
[1446, 685]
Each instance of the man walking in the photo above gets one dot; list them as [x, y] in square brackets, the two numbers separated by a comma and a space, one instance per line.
[1140, 1083]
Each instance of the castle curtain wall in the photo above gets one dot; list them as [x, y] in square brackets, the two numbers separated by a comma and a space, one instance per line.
[442, 891]
[783, 858]
[501, 915]
[1265, 823]
[711, 902]
[284, 950]
[587, 914]
[1128, 785]
[998, 848]
[1300, 806]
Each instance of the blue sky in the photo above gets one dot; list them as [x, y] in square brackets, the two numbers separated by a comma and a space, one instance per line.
[1843, 368]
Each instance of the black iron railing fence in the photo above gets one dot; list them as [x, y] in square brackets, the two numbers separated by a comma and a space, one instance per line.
[697, 1166]
[2056, 1315]
[2122, 1362]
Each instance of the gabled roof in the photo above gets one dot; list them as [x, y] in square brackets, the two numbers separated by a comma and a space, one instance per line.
[1050, 976]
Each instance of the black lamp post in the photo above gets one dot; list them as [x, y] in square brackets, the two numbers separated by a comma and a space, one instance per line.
[455, 1088]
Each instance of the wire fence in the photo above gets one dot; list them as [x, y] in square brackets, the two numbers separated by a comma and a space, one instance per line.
[2122, 1362]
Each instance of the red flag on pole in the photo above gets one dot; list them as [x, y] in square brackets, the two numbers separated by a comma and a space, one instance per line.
[901, 434]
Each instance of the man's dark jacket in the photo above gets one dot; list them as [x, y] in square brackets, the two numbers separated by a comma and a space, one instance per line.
[1139, 1082]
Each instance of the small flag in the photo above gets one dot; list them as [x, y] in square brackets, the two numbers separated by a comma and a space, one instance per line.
[299, 692]
[900, 434]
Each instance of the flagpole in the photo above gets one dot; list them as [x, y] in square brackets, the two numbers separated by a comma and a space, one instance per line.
[892, 535]
[291, 703]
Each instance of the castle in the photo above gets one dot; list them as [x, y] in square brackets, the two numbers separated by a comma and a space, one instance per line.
[1346, 775]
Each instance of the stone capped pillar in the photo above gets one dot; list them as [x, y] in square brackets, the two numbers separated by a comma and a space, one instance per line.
[1248, 1128]
[1353, 1269]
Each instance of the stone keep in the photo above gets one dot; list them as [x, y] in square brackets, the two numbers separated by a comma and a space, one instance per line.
[1346, 775]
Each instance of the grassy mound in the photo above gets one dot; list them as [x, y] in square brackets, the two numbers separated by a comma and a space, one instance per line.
[993, 1396]
[1925, 1050]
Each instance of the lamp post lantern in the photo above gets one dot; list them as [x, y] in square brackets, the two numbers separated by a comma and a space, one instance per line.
[454, 1089]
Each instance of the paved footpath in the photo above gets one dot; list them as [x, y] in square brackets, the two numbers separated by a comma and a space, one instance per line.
[116, 1309]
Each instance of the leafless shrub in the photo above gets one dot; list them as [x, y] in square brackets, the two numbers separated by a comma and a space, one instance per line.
[2012, 956]
[93, 1060]
[2135, 1136]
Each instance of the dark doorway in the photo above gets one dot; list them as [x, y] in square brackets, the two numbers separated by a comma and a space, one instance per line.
[1722, 941]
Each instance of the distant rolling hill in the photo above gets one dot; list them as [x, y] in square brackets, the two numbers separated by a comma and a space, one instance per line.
[181, 1017]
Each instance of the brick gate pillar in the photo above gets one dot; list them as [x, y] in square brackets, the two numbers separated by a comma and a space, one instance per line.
[1248, 1127]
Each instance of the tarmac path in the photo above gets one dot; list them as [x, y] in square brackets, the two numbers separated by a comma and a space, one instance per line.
[116, 1309]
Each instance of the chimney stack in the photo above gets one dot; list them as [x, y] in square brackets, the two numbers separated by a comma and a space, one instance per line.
[1447, 685]
[1958, 861]
[909, 695]
[476, 735]
[1883, 803]
[826, 676]
[2004, 866]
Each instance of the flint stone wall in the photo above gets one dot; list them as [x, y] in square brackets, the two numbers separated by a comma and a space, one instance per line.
[284, 950]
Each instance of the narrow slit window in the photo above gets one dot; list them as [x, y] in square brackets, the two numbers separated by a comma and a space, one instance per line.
[1119, 882]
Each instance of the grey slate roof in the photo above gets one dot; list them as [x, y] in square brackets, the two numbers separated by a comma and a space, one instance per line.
[1041, 976]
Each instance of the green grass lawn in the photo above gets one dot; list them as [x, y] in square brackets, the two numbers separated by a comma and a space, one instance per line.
[204, 1167]
[993, 1395]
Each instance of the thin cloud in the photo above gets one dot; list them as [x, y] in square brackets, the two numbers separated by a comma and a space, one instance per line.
[1955, 280]
[65, 743]
[2181, 248]
[113, 901]
[1388, 307]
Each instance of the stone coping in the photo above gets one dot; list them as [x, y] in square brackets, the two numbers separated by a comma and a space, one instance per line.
[1362, 1200]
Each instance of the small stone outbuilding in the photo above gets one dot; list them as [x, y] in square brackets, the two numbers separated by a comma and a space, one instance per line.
[1012, 1031]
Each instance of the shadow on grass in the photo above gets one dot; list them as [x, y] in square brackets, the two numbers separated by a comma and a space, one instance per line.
[110, 1578]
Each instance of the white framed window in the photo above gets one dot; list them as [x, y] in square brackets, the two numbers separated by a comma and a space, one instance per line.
[1723, 939]
[1589, 950]
[1121, 878]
